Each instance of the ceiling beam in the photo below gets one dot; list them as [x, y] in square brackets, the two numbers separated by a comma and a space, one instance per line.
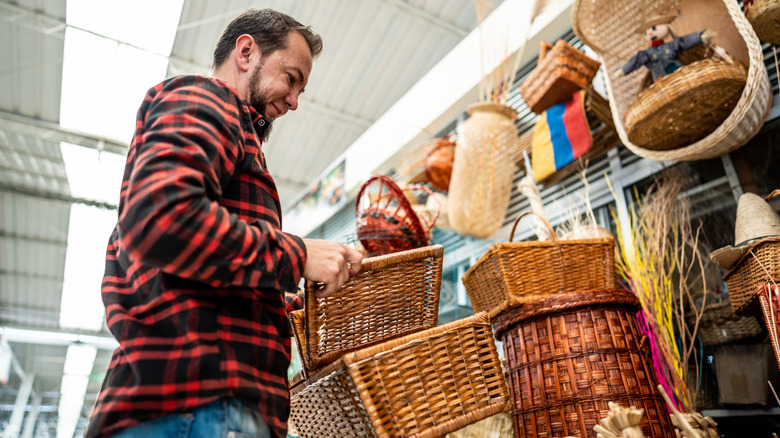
[59, 337]
[54, 196]
[54, 132]
[427, 16]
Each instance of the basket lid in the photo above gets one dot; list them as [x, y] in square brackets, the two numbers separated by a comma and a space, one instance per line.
[561, 303]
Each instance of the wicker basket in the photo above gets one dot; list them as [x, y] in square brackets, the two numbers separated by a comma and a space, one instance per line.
[391, 296]
[560, 72]
[719, 325]
[669, 115]
[608, 27]
[438, 164]
[509, 274]
[769, 299]
[482, 172]
[764, 16]
[569, 356]
[423, 385]
[759, 266]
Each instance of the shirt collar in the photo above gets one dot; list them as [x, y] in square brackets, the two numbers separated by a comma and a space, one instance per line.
[260, 123]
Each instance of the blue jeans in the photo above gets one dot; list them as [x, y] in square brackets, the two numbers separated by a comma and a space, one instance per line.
[220, 419]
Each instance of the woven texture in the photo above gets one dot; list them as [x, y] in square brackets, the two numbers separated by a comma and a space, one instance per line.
[560, 72]
[770, 309]
[438, 164]
[608, 27]
[509, 274]
[481, 180]
[570, 355]
[719, 325]
[391, 296]
[668, 114]
[426, 384]
[759, 266]
[764, 16]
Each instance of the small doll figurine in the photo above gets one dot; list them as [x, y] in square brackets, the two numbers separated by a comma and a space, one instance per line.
[661, 57]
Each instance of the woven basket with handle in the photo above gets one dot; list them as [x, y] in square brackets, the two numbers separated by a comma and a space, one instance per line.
[392, 295]
[561, 71]
[509, 274]
[426, 384]
[759, 266]
[609, 28]
[569, 355]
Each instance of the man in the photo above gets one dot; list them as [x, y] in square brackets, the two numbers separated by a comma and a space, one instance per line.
[197, 263]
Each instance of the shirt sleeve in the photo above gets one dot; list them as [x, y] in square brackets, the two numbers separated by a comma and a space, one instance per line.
[169, 215]
[636, 61]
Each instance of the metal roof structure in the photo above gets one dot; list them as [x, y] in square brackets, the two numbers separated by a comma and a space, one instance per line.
[375, 51]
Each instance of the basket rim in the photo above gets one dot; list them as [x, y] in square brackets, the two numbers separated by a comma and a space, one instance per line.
[496, 247]
[564, 303]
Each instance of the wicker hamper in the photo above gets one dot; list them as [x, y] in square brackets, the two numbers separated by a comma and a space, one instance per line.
[759, 266]
[392, 295]
[609, 28]
[509, 274]
[719, 324]
[426, 384]
[561, 71]
[568, 356]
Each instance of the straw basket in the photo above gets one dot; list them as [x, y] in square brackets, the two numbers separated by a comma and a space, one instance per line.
[568, 356]
[391, 296]
[438, 164]
[509, 274]
[759, 266]
[669, 114]
[719, 325]
[481, 181]
[769, 298]
[423, 385]
[608, 27]
[385, 220]
[560, 72]
[764, 16]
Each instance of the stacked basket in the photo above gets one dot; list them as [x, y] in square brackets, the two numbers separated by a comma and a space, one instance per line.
[376, 364]
[571, 340]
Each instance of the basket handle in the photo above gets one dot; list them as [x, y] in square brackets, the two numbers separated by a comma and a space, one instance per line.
[544, 47]
[772, 195]
[430, 193]
[544, 219]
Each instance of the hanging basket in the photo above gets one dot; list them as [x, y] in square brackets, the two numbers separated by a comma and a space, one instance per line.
[481, 182]
[608, 27]
[438, 164]
[570, 355]
[669, 114]
[560, 72]
[514, 273]
[764, 16]
[386, 221]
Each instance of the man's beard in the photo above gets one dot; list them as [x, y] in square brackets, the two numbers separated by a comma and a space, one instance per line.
[256, 100]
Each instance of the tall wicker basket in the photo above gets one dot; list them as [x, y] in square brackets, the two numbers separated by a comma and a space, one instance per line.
[392, 295]
[482, 171]
[423, 385]
[513, 273]
[608, 27]
[570, 355]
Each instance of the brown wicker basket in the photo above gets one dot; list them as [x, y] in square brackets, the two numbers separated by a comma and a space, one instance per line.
[769, 299]
[719, 324]
[391, 296]
[759, 266]
[609, 28]
[569, 356]
[561, 71]
[670, 113]
[426, 384]
[764, 16]
[509, 274]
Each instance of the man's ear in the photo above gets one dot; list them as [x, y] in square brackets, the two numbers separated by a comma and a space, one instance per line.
[245, 50]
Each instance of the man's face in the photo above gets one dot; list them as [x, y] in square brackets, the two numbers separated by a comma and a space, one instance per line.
[277, 80]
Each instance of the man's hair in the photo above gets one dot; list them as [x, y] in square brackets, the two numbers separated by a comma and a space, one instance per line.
[269, 29]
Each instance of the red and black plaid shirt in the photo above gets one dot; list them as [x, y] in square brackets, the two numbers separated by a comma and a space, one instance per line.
[197, 263]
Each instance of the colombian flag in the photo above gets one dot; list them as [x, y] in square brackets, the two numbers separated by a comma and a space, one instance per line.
[560, 136]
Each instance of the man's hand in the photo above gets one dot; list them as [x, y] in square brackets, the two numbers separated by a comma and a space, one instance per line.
[330, 263]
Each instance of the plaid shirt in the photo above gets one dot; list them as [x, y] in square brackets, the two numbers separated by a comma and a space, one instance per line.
[197, 263]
